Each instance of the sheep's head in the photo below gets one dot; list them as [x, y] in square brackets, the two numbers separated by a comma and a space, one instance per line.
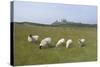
[40, 47]
[30, 35]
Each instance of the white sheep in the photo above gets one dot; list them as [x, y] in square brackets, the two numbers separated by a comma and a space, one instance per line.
[68, 43]
[45, 42]
[35, 37]
[60, 42]
[81, 42]
[32, 38]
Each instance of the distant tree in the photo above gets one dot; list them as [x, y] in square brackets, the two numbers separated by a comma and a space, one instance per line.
[56, 21]
[64, 21]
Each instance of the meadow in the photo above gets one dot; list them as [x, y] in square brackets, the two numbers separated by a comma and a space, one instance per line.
[26, 53]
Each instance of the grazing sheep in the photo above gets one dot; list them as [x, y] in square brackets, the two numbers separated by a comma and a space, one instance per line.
[68, 43]
[32, 38]
[61, 41]
[81, 42]
[35, 37]
[45, 42]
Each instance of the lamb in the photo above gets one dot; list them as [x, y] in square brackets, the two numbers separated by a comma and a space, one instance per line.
[68, 43]
[45, 42]
[81, 42]
[33, 38]
[61, 41]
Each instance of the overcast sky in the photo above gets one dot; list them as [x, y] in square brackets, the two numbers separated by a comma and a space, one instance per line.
[46, 13]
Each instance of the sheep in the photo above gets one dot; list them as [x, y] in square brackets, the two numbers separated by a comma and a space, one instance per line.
[68, 43]
[81, 42]
[45, 42]
[61, 41]
[35, 37]
[32, 38]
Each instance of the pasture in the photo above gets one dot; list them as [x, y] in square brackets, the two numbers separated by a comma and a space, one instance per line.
[26, 53]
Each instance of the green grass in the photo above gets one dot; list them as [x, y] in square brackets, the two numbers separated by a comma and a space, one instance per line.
[26, 53]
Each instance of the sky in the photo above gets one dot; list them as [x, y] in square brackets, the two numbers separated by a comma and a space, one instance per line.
[47, 13]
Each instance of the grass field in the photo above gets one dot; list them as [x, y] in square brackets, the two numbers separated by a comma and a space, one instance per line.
[26, 53]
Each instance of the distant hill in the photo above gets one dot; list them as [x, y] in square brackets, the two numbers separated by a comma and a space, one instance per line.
[60, 24]
[73, 24]
[31, 23]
